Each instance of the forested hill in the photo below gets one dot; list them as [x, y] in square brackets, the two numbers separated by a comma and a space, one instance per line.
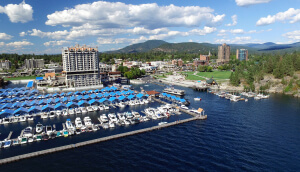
[140, 47]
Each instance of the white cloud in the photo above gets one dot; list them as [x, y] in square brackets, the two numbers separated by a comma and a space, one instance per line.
[52, 35]
[5, 36]
[294, 35]
[240, 31]
[237, 31]
[103, 14]
[250, 2]
[236, 40]
[18, 12]
[206, 30]
[2, 43]
[293, 15]
[121, 40]
[19, 44]
[22, 34]
[56, 43]
[234, 21]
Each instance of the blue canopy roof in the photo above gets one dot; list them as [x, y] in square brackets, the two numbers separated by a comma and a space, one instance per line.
[26, 103]
[93, 96]
[42, 102]
[72, 104]
[96, 91]
[112, 99]
[35, 109]
[173, 97]
[73, 98]
[93, 101]
[113, 88]
[17, 104]
[34, 102]
[78, 97]
[103, 90]
[102, 100]
[21, 111]
[131, 96]
[7, 106]
[47, 108]
[62, 94]
[140, 95]
[82, 103]
[90, 91]
[77, 93]
[50, 101]
[99, 95]
[54, 95]
[106, 94]
[57, 100]
[86, 97]
[122, 97]
[30, 84]
[39, 78]
[83, 92]
[182, 100]
[59, 106]
[69, 93]
[112, 94]
[107, 88]
[6, 113]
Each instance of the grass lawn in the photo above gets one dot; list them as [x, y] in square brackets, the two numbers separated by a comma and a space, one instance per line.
[21, 78]
[159, 76]
[217, 75]
[194, 77]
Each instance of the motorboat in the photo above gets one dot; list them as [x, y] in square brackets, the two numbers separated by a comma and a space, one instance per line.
[6, 143]
[65, 133]
[162, 123]
[126, 122]
[77, 111]
[44, 115]
[83, 110]
[101, 107]
[136, 114]
[15, 142]
[58, 113]
[121, 104]
[103, 118]
[78, 123]
[197, 99]
[131, 103]
[23, 140]
[95, 108]
[141, 101]
[128, 115]
[59, 134]
[30, 139]
[257, 98]
[121, 116]
[87, 121]
[48, 130]
[106, 107]
[90, 109]
[6, 120]
[172, 90]
[39, 137]
[111, 125]
[39, 128]
[72, 111]
[65, 113]
[52, 114]
[15, 119]
[145, 118]
[184, 107]
[22, 118]
[95, 127]
[105, 125]
[112, 118]
[27, 132]
[30, 118]
[69, 125]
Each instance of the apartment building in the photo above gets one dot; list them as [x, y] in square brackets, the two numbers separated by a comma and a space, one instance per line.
[34, 63]
[223, 54]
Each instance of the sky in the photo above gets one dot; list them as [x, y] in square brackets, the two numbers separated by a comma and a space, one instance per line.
[44, 27]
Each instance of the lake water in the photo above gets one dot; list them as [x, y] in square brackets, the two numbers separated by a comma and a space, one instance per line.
[256, 135]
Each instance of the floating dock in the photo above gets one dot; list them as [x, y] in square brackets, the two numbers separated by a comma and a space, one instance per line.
[103, 139]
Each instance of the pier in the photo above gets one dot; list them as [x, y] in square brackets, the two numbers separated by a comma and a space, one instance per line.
[200, 88]
[103, 139]
[9, 135]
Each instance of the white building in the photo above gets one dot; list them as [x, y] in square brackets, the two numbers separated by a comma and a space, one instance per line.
[81, 66]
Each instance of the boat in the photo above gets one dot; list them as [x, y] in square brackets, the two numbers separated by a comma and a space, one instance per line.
[72, 111]
[6, 143]
[65, 133]
[39, 128]
[103, 118]
[38, 137]
[126, 122]
[136, 114]
[106, 107]
[52, 114]
[27, 132]
[69, 125]
[111, 125]
[131, 103]
[162, 123]
[121, 116]
[112, 118]
[45, 137]
[65, 112]
[44, 115]
[184, 107]
[22, 118]
[58, 113]
[121, 104]
[90, 109]
[78, 122]
[77, 111]
[6, 120]
[87, 121]
[197, 99]
[23, 140]
[30, 139]
[83, 110]
[58, 134]
[30, 118]
[48, 130]
[95, 108]
[15, 142]
[101, 107]
[172, 90]
[15, 119]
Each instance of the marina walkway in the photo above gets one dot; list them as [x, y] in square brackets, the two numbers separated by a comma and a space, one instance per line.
[103, 139]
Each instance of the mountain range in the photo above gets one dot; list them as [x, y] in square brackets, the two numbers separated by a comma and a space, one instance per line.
[193, 47]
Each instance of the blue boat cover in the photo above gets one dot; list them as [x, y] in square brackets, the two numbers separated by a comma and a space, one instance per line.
[30, 84]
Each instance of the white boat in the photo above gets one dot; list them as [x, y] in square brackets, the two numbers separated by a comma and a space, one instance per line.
[141, 102]
[23, 140]
[111, 125]
[145, 118]
[197, 99]
[162, 123]
[95, 108]
[103, 118]
[44, 115]
[39, 128]
[172, 90]
[112, 118]
[121, 104]
[6, 143]
[22, 118]
[6, 120]
[136, 114]
[52, 114]
[30, 118]
[121, 116]
[83, 110]
[128, 115]
[69, 125]
[15, 119]
[87, 121]
[65, 113]
[106, 107]
[101, 107]
[48, 130]
[30, 139]
[77, 111]
[90, 109]
[131, 103]
[126, 122]
[184, 107]
[27, 132]
[78, 123]
[136, 102]
[257, 98]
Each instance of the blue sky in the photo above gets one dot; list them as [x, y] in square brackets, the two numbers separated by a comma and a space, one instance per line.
[35, 26]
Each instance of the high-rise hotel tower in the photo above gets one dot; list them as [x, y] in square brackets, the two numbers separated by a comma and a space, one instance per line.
[81, 66]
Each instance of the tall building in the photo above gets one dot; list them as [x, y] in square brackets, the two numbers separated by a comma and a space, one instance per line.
[81, 66]
[223, 54]
[5, 64]
[242, 54]
[34, 63]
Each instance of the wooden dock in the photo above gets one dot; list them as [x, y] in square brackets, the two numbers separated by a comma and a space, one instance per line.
[9, 135]
[103, 139]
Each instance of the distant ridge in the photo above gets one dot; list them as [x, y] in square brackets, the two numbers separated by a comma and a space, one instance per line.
[204, 48]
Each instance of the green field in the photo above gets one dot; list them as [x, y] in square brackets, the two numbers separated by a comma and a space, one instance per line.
[217, 75]
[21, 78]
